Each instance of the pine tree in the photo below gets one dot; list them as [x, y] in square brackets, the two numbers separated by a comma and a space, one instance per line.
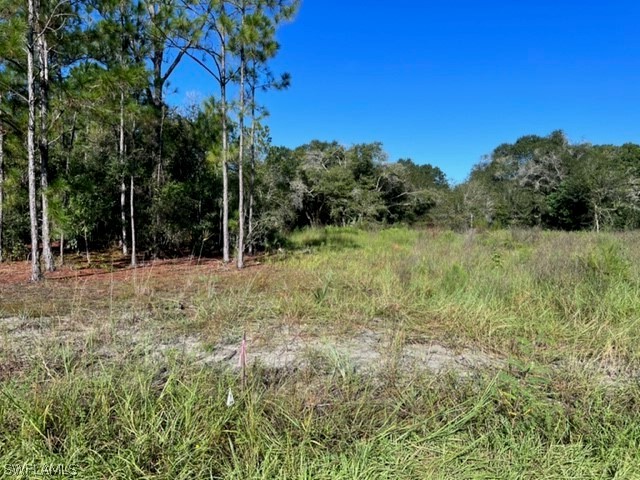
[168, 32]
[43, 137]
[211, 53]
[243, 40]
[31, 131]
[255, 43]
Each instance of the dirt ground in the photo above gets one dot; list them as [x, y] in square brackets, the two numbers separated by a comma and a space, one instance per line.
[277, 346]
[38, 317]
[110, 268]
[108, 278]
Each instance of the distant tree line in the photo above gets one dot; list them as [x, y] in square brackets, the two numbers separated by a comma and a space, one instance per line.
[545, 182]
[325, 183]
[551, 183]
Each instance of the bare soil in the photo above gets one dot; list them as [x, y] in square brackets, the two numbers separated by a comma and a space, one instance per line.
[109, 267]
[28, 335]
[26, 339]
[35, 320]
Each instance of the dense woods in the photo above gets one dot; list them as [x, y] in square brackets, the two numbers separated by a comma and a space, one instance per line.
[93, 156]
[551, 183]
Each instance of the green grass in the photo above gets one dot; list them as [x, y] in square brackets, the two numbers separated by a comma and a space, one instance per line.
[560, 310]
[138, 424]
[535, 294]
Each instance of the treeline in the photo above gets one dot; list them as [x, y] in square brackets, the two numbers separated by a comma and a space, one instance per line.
[545, 182]
[325, 183]
[92, 156]
[549, 182]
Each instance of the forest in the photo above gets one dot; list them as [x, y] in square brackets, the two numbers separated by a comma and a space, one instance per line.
[92, 155]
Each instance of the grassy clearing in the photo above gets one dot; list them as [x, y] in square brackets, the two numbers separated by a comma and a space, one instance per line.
[85, 382]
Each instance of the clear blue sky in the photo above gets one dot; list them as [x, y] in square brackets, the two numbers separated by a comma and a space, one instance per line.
[446, 82]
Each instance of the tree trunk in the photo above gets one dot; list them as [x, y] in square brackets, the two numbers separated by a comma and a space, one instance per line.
[252, 175]
[158, 104]
[1, 182]
[133, 224]
[225, 170]
[72, 137]
[123, 185]
[159, 181]
[86, 244]
[31, 152]
[43, 51]
[240, 259]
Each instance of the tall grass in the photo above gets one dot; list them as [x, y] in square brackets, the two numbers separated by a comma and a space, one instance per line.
[515, 292]
[560, 310]
[173, 423]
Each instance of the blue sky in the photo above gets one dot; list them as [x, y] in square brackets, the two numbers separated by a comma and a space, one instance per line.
[446, 82]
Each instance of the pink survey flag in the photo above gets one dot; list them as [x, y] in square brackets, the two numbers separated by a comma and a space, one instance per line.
[242, 359]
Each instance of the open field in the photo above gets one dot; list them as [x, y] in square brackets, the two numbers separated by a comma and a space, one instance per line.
[390, 354]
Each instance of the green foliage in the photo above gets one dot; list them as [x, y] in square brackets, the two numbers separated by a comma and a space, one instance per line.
[549, 182]
[328, 184]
